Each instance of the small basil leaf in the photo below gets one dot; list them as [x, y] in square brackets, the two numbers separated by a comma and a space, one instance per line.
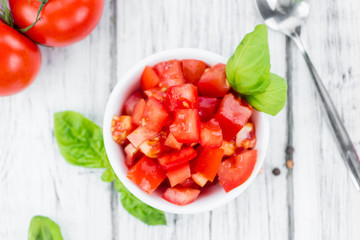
[43, 228]
[248, 70]
[138, 209]
[80, 140]
[108, 175]
[273, 99]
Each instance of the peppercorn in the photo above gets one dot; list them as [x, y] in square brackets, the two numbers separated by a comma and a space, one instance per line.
[276, 171]
[289, 164]
[289, 150]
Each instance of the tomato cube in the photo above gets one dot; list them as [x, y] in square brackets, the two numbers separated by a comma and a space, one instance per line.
[188, 183]
[151, 148]
[211, 134]
[246, 136]
[208, 161]
[121, 127]
[149, 79]
[154, 116]
[174, 159]
[140, 135]
[131, 102]
[186, 126]
[157, 93]
[181, 196]
[178, 174]
[199, 179]
[213, 82]
[236, 170]
[207, 108]
[171, 142]
[170, 73]
[138, 112]
[147, 174]
[232, 115]
[182, 97]
[193, 69]
[131, 154]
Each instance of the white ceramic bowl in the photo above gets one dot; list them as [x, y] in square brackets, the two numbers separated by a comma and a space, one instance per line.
[214, 196]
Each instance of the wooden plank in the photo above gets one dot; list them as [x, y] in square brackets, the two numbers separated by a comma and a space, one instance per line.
[326, 203]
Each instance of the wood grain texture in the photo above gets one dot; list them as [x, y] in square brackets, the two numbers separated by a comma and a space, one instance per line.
[35, 179]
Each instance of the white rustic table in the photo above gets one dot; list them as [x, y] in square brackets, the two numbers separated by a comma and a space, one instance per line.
[314, 201]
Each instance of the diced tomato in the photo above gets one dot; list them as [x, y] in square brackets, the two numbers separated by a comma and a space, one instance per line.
[207, 108]
[193, 69]
[149, 79]
[170, 73]
[140, 135]
[132, 154]
[211, 134]
[181, 97]
[138, 112]
[151, 148]
[246, 136]
[232, 116]
[181, 196]
[236, 170]
[154, 116]
[228, 147]
[208, 161]
[199, 179]
[177, 158]
[171, 142]
[120, 128]
[187, 183]
[213, 82]
[186, 126]
[178, 174]
[157, 93]
[131, 102]
[147, 174]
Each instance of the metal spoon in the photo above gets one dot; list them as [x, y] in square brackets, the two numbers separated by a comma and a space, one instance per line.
[287, 17]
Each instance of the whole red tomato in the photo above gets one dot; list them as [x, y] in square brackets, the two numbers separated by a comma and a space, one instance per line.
[63, 22]
[20, 61]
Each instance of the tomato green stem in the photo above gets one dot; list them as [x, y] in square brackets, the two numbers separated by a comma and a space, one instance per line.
[38, 18]
[6, 14]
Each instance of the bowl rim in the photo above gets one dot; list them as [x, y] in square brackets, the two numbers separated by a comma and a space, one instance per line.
[121, 89]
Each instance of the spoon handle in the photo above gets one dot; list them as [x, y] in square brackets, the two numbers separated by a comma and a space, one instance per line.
[346, 146]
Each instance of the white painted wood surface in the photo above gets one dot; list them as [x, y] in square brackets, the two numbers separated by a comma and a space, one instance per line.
[34, 178]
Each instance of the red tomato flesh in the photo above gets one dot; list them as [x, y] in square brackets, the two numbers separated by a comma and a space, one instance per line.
[208, 161]
[132, 154]
[121, 127]
[149, 79]
[138, 112]
[236, 170]
[181, 196]
[147, 174]
[232, 115]
[140, 135]
[130, 103]
[172, 143]
[186, 126]
[154, 116]
[213, 82]
[246, 137]
[193, 69]
[170, 73]
[211, 134]
[157, 93]
[207, 108]
[199, 179]
[181, 97]
[177, 158]
[178, 174]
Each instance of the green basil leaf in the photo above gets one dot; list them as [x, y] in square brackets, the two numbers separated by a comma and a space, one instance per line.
[273, 99]
[80, 140]
[108, 175]
[138, 209]
[248, 70]
[43, 228]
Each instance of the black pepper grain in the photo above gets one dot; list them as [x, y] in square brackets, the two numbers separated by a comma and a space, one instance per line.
[276, 171]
